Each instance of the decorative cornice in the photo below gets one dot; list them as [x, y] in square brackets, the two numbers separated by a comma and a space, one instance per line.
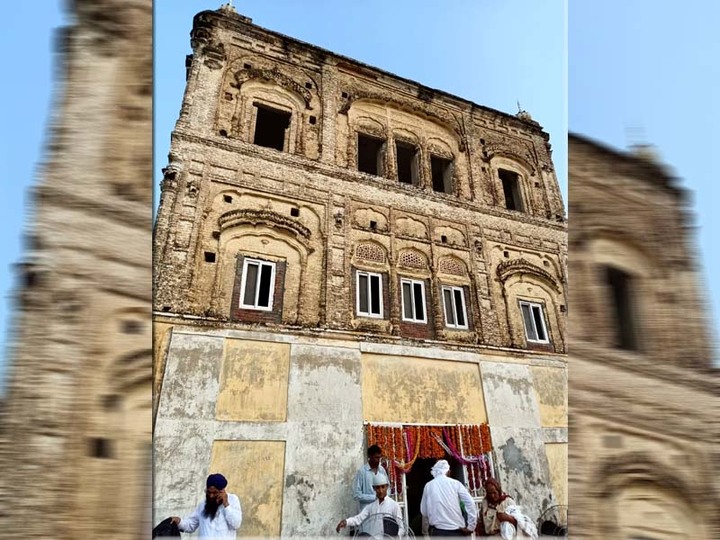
[521, 266]
[501, 149]
[277, 77]
[266, 217]
[421, 107]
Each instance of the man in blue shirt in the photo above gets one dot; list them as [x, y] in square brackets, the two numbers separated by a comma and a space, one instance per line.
[363, 491]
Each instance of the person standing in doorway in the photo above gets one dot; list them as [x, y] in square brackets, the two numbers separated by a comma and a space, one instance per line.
[440, 505]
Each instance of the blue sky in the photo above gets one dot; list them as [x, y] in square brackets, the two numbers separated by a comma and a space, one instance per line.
[649, 72]
[25, 101]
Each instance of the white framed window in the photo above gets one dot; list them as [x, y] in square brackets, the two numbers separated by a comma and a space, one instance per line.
[258, 285]
[454, 303]
[412, 294]
[534, 319]
[369, 296]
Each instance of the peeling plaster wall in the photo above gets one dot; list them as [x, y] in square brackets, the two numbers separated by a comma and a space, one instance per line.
[421, 390]
[330, 386]
[518, 438]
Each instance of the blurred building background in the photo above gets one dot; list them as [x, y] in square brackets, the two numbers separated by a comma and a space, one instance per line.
[75, 440]
[645, 411]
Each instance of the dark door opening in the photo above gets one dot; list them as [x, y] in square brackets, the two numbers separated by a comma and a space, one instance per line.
[415, 480]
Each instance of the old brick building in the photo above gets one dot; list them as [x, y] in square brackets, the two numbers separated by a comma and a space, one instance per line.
[644, 396]
[75, 440]
[338, 247]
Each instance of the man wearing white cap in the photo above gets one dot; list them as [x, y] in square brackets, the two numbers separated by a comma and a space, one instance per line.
[372, 517]
[440, 505]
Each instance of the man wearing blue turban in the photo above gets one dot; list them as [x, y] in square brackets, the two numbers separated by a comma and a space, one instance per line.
[219, 516]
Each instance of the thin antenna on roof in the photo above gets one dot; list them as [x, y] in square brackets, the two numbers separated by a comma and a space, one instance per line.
[635, 136]
[519, 107]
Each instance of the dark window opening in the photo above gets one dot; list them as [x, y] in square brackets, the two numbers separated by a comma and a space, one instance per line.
[101, 448]
[216, 235]
[209, 257]
[111, 402]
[223, 133]
[31, 279]
[370, 155]
[511, 189]
[443, 239]
[308, 85]
[270, 127]
[344, 95]
[313, 120]
[227, 198]
[294, 212]
[132, 327]
[247, 66]
[441, 170]
[406, 163]
[373, 225]
[623, 310]
[506, 254]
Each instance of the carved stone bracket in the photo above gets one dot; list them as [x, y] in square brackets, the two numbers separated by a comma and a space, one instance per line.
[214, 55]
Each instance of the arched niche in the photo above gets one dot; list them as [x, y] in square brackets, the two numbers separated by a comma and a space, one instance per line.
[513, 181]
[272, 244]
[524, 282]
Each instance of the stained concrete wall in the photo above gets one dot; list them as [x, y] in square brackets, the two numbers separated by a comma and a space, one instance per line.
[219, 385]
[518, 436]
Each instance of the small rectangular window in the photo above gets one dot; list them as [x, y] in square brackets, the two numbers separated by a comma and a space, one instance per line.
[406, 157]
[258, 284]
[369, 294]
[534, 320]
[454, 305]
[271, 127]
[370, 154]
[441, 170]
[413, 300]
[511, 189]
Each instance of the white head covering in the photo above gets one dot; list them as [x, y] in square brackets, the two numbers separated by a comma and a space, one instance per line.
[380, 480]
[441, 467]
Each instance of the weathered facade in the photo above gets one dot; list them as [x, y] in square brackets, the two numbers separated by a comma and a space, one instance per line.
[644, 396]
[337, 246]
[75, 441]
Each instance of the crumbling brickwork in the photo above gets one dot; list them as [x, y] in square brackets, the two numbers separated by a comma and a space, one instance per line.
[222, 194]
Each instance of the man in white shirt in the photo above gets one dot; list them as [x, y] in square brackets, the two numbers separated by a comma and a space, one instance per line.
[440, 505]
[218, 517]
[380, 517]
